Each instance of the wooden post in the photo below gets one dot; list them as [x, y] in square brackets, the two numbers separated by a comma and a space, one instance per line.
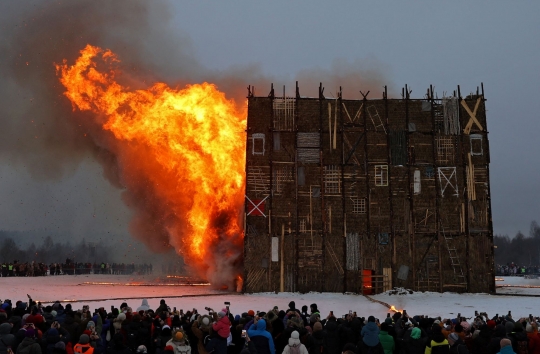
[281, 258]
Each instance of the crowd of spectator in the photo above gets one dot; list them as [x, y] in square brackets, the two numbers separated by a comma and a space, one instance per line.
[31, 328]
[31, 269]
[512, 269]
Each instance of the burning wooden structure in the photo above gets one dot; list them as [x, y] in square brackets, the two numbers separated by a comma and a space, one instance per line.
[364, 195]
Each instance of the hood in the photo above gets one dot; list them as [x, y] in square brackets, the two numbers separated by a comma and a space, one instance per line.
[371, 327]
[261, 325]
[5, 328]
[500, 331]
[416, 333]
[295, 339]
[145, 303]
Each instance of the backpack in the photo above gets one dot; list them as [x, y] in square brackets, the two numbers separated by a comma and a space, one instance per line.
[522, 347]
[294, 349]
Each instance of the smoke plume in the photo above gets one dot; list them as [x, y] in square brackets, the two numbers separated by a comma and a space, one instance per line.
[43, 134]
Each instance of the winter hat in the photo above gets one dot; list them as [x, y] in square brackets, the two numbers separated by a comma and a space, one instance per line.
[371, 319]
[436, 329]
[452, 338]
[142, 349]
[505, 342]
[416, 333]
[388, 320]
[52, 332]
[529, 328]
[54, 313]
[121, 317]
[437, 322]
[60, 345]
[317, 327]
[251, 313]
[205, 320]
[30, 333]
[166, 331]
[458, 328]
[221, 314]
[384, 327]
[295, 339]
[509, 327]
[169, 348]
[90, 324]
[313, 318]
[518, 327]
[491, 324]
[224, 310]
[84, 339]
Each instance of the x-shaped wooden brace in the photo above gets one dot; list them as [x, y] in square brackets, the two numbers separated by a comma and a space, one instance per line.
[472, 116]
[256, 207]
[448, 182]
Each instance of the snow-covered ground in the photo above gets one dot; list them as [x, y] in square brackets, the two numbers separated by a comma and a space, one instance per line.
[47, 289]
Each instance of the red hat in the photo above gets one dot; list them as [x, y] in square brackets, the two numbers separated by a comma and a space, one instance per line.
[251, 313]
[491, 324]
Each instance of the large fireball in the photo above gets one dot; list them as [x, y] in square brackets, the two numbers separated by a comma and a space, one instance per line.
[180, 152]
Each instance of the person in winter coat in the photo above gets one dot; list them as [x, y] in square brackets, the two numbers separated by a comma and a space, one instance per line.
[144, 306]
[117, 345]
[261, 337]
[29, 344]
[494, 345]
[370, 336]
[387, 341]
[534, 338]
[519, 339]
[83, 347]
[481, 341]
[415, 343]
[201, 328]
[222, 326]
[457, 346]
[179, 343]
[294, 346]
[438, 344]
[6, 338]
[506, 346]
[319, 338]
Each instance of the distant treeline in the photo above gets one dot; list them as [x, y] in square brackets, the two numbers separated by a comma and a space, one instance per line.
[51, 252]
[520, 249]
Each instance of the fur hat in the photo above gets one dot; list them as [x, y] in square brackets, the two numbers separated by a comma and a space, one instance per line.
[452, 338]
[295, 322]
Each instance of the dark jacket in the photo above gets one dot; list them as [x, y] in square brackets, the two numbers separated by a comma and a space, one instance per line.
[6, 338]
[29, 346]
[370, 334]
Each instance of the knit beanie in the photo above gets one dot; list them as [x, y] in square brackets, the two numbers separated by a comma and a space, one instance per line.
[84, 339]
[491, 324]
[90, 324]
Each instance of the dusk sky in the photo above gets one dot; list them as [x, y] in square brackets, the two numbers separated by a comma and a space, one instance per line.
[48, 183]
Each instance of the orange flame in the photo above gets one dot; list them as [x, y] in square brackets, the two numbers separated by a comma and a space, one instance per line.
[393, 308]
[186, 146]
